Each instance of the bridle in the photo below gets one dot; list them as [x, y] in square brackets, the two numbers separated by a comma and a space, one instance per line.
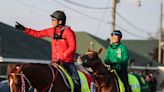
[24, 78]
[96, 74]
[92, 56]
[100, 75]
[106, 82]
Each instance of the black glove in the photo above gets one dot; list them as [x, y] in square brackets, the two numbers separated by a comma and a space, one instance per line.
[20, 27]
[107, 62]
[115, 63]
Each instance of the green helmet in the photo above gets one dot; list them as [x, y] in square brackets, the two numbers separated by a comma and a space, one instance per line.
[59, 15]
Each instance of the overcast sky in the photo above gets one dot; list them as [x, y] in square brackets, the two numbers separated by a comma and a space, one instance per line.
[92, 16]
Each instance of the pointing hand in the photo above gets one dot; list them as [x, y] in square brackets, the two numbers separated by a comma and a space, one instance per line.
[20, 27]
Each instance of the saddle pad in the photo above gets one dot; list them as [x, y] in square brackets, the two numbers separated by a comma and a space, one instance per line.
[134, 83]
[83, 80]
[68, 77]
[121, 86]
[140, 78]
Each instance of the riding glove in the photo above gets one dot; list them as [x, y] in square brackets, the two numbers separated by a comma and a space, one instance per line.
[116, 65]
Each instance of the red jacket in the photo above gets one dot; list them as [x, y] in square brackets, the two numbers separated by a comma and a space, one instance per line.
[62, 49]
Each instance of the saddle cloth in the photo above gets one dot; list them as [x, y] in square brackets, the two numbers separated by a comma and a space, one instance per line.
[133, 82]
[83, 79]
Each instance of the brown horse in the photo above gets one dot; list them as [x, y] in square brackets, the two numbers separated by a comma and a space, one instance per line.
[43, 77]
[105, 80]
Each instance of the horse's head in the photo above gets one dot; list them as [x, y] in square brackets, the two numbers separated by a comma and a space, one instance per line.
[16, 78]
[91, 58]
[100, 72]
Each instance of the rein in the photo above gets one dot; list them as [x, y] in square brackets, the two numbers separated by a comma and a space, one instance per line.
[100, 76]
[51, 83]
[23, 78]
[103, 80]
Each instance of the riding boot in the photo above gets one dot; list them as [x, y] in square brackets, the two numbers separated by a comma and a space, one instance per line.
[73, 72]
[128, 89]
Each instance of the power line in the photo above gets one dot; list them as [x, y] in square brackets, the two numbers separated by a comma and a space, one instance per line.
[85, 6]
[98, 19]
[45, 11]
[92, 17]
[28, 5]
[48, 3]
[139, 36]
[100, 22]
[135, 27]
[36, 8]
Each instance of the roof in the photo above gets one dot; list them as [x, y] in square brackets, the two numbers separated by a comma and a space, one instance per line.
[16, 44]
[141, 47]
[139, 51]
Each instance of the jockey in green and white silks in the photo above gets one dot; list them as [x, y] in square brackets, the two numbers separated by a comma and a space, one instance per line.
[117, 57]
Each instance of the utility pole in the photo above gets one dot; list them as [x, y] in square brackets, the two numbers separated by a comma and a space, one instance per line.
[160, 34]
[114, 2]
[113, 14]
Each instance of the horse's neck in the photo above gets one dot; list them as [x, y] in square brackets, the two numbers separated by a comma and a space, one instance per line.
[111, 84]
[38, 75]
[100, 68]
[101, 73]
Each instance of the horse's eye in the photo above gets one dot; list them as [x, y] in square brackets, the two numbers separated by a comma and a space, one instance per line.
[84, 57]
[86, 63]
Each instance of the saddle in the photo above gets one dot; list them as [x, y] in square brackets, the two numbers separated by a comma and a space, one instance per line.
[70, 82]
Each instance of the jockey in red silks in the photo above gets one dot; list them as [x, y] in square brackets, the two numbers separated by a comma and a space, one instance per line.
[63, 43]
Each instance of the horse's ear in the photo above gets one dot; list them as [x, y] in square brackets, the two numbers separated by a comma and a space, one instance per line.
[100, 50]
[89, 49]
